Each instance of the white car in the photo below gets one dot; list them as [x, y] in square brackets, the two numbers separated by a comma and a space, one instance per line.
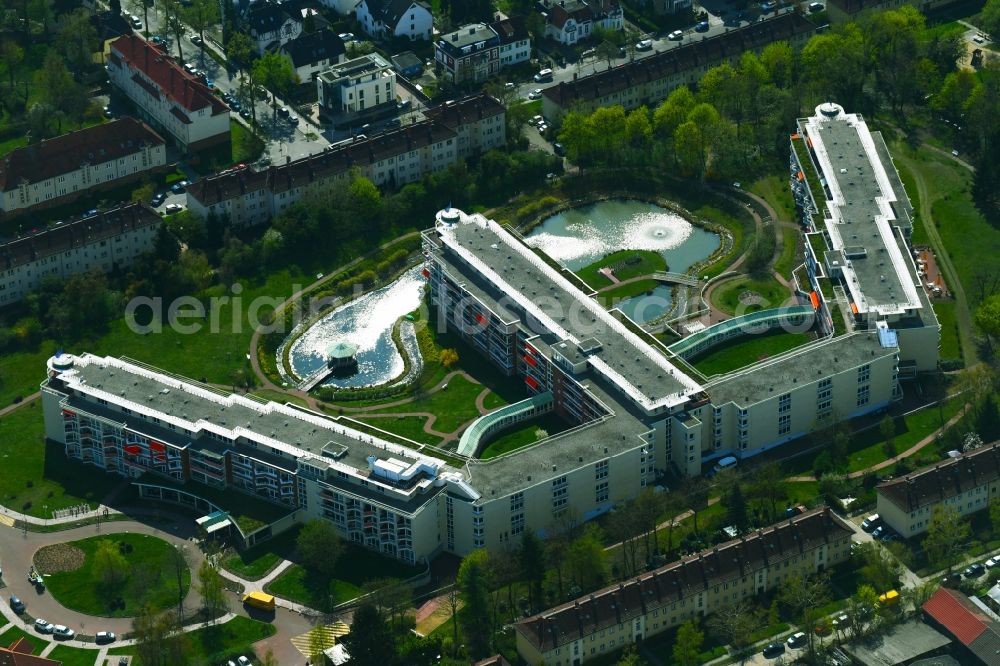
[43, 626]
[174, 208]
[676, 35]
[62, 631]
[535, 94]
[796, 640]
[993, 562]
[243, 661]
[534, 120]
[105, 637]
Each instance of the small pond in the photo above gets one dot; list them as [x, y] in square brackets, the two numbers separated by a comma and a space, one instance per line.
[366, 322]
[647, 306]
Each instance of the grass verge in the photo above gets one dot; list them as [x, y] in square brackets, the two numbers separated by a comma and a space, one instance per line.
[740, 353]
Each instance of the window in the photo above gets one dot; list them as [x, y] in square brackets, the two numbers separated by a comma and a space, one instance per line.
[601, 492]
[785, 403]
[601, 470]
[784, 424]
[863, 395]
[864, 373]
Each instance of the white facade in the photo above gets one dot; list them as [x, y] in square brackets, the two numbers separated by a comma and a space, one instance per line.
[389, 19]
[100, 243]
[166, 95]
[515, 52]
[275, 29]
[357, 86]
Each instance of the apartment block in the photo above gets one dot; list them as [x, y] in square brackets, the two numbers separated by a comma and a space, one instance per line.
[967, 483]
[463, 128]
[648, 81]
[859, 272]
[689, 589]
[478, 51]
[103, 242]
[166, 96]
[357, 88]
[58, 170]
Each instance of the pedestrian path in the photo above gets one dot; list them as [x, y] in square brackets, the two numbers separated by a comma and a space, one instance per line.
[48, 648]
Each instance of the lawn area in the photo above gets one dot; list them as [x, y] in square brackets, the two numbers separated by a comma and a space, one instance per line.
[775, 190]
[255, 562]
[410, 427]
[493, 401]
[620, 292]
[727, 297]
[790, 255]
[453, 405]
[662, 645]
[355, 567]
[632, 263]
[732, 355]
[12, 144]
[243, 147]
[523, 435]
[951, 347]
[14, 633]
[148, 579]
[71, 656]
[37, 474]
[217, 644]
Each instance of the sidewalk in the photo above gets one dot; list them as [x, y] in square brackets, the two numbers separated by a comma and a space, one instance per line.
[259, 585]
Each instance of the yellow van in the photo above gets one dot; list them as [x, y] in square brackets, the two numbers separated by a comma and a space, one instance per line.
[259, 600]
[890, 598]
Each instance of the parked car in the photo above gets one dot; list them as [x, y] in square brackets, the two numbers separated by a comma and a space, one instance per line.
[841, 621]
[245, 114]
[244, 661]
[16, 604]
[588, 53]
[179, 186]
[284, 112]
[543, 76]
[346, 36]
[105, 637]
[701, 26]
[173, 208]
[61, 631]
[189, 68]
[952, 580]
[772, 650]
[157, 199]
[974, 570]
[644, 45]
[676, 35]
[535, 94]
[768, 6]
[993, 562]
[90, 212]
[197, 40]
[136, 22]
[816, 7]
[559, 149]
[878, 531]
[796, 640]
[107, 112]
[43, 626]
[869, 523]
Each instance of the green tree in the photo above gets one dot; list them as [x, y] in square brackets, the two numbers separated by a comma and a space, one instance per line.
[12, 55]
[318, 641]
[173, 20]
[880, 568]
[834, 65]
[58, 89]
[78, 39]
[110, 567]
[736, 509]
[687, 644]
[947, 535]
[887, 429]
[320, 547]
[370, 641]
[586, 559]
[532, 563]
[987, 317]
[211, 589]
[275, 72]
[805, 596]
[734, 624]
[861, 610]
[473, 582]
[156, 644]
[989, 17]
[202, 15]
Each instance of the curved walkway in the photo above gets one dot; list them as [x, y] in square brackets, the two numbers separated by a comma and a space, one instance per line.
[896, 458]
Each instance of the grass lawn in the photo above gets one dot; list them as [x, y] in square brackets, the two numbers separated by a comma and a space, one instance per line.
[453, 406]
[633, 263]
[493, 401]
[410, 427]
[14, 633]
[790, 255]
[71, 656]
[523, 435]
[279, 397]
[256, 562]
[356, 566]
[37, 474]
[727, 297]
[662, 645]
[951, 347]
[620, 292]
[732, 355]
[13, 144]
[243, 147]
[218, 643]
[149, 579]
[775, 190]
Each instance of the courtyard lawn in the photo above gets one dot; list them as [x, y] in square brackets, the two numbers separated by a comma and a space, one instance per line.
[149, 578]
[648, 262]
[71, 656]
[410, 427]
[790, 255]
[620, 292]
[523, 435]
[256, 562]
[493, 401]
[216, 644]
[36, 473]
[776, 191]
[951, 347]
[355, 567]
[453, 406]
[735, 354]
[14, 633]
[771, 292]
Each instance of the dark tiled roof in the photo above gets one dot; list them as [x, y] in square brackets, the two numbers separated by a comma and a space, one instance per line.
[706, 52]
[578, 11]
[945, 479]
[265, 18]
[467, 109]
[82, 232]
[339, 159]
[172, 80]
[510, 30]
[307, 49]
[678, 580]
[68, 152]
[390, 12]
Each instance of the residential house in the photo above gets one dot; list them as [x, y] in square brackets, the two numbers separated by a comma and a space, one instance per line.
[388, 19]
[359, 88]
[311, 53]
[271, 26]
[103, 242]
[969, 622]
[470, 126]
[58, 170]
[695, 586]
[648, 81]
[166, 96]
[966, 484]
[573, 21]
[515, 42]
[470, 54]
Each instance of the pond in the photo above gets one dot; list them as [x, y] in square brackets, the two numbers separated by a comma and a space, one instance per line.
[366, 322]
[580, 236]
[647, 306]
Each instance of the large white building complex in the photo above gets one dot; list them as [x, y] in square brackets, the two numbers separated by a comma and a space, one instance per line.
[859, 267]
[165, 95]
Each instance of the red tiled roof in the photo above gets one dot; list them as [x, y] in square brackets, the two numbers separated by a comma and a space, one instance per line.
[19, 654]
[953, 610]
[170, 77]
[66, 153]
[558, 14]
[936, 483]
